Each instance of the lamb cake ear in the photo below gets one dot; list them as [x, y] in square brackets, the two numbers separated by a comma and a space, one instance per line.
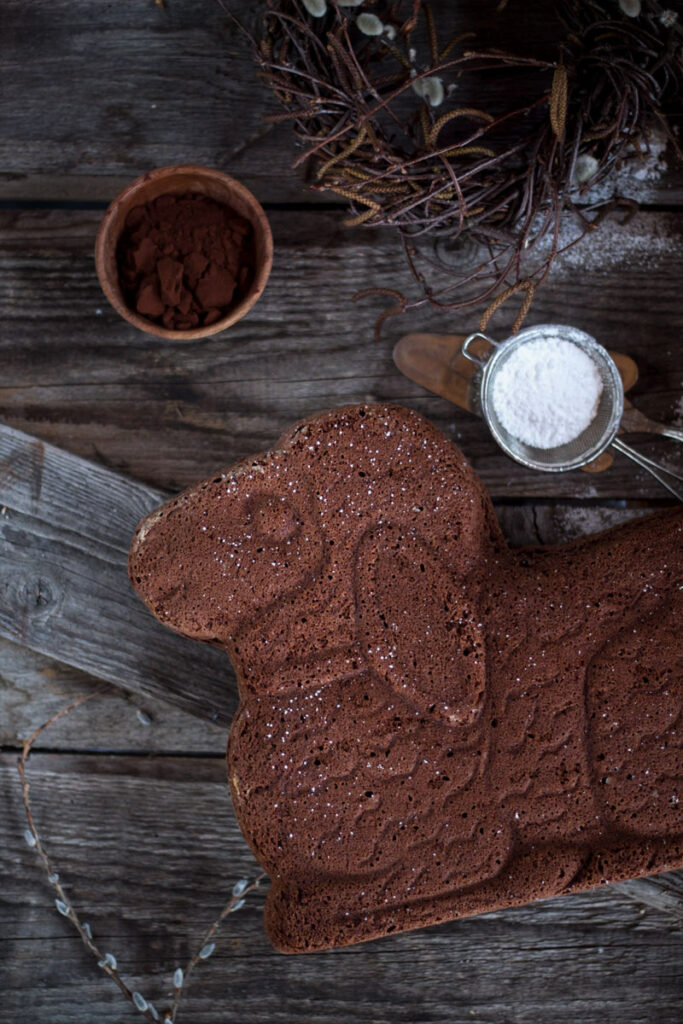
[419, 630]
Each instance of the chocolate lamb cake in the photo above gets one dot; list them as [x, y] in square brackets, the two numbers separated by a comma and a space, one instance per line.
[431, 724]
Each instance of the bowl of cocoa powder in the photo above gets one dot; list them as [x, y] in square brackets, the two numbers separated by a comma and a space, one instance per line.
[184, 252]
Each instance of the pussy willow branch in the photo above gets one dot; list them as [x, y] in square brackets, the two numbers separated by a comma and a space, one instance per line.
[68, 910]
[234, 903]
[106, 961]
[453, 175]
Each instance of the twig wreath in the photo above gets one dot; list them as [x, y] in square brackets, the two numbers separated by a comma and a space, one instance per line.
[371, 88]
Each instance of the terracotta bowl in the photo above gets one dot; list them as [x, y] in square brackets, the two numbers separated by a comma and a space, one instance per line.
[178, 180]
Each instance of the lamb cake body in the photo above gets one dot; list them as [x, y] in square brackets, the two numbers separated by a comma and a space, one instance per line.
[431, 725]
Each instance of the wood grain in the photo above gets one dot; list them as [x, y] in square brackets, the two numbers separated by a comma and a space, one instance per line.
[34, 687]
[148, 849]
[143, 85]
[76, 375]
[607, 956]
[91, 95]
[65, 530]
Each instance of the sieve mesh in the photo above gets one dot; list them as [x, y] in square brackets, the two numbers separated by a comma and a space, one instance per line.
[597, 436]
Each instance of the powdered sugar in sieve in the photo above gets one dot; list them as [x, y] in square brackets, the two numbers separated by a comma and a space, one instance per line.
[547, 392]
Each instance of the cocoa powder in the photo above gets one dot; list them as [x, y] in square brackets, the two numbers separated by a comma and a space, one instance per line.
[184, 261]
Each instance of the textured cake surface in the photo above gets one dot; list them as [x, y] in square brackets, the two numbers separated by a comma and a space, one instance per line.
[431, 725]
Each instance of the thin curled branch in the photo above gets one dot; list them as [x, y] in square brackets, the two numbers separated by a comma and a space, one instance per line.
[105, 960]
[361, 114]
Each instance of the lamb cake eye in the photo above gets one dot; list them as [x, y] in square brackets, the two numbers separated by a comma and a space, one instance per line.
[270, 518]
[431, 724]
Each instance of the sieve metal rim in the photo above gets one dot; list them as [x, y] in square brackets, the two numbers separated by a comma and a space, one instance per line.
[588, 344]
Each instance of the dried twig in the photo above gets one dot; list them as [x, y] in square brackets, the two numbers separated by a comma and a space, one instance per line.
[447, 176]
[106, 961]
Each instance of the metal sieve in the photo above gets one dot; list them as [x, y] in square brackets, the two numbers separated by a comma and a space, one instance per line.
[597, 436]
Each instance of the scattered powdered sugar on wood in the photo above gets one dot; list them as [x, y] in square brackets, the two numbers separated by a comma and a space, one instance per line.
[641, 167]
[644, 243]
[625, 239]
[546, 393]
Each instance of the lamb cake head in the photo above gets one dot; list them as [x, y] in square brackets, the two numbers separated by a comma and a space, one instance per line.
[431, 724]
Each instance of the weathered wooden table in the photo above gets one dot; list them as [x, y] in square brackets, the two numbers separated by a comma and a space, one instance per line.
[134, 806]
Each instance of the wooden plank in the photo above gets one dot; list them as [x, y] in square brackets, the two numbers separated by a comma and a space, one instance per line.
[39, 937]
[76, 375]
[65, 530]
[149, 849]
[663, 892]
[58, 488]
[34, 687]
[142, 85]
[145, 85]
